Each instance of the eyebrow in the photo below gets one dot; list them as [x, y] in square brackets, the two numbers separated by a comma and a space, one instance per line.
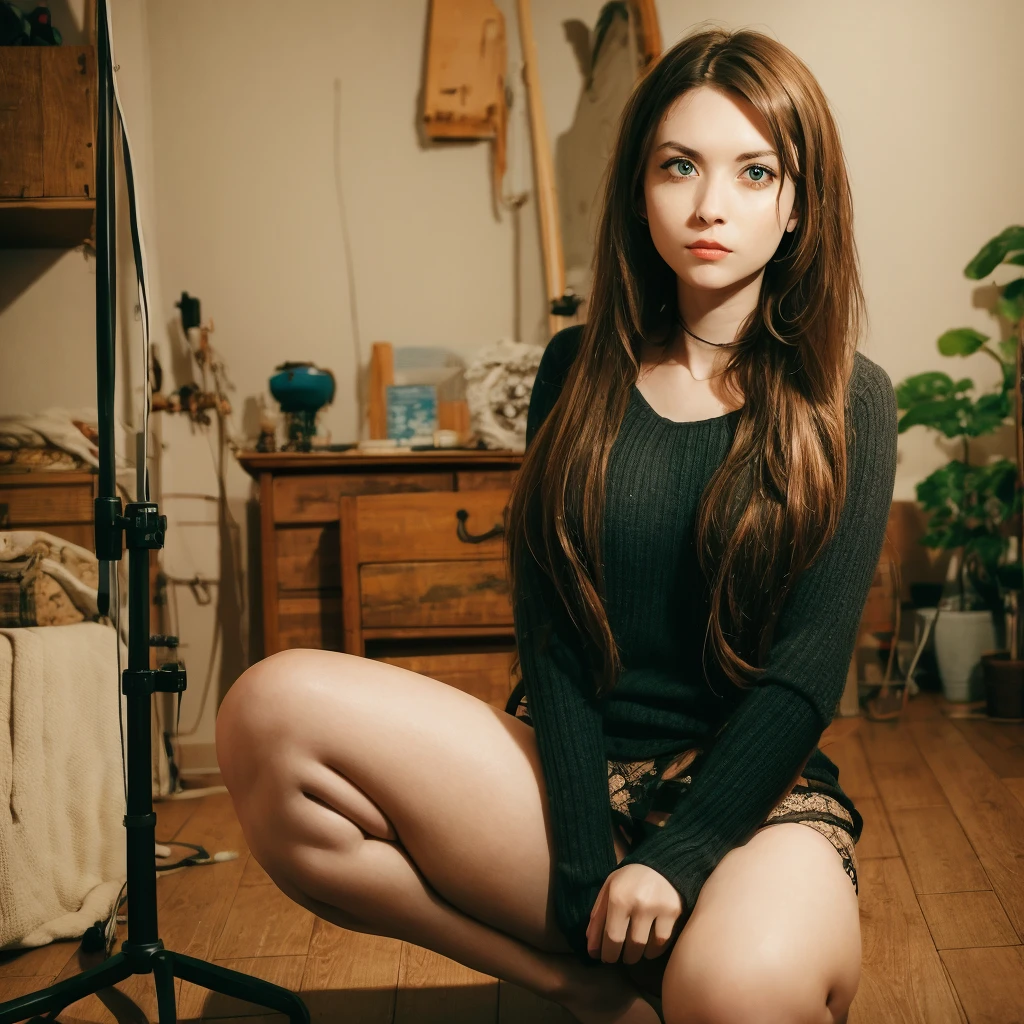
[700, 156]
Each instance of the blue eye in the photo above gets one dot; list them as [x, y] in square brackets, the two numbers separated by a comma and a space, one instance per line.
[766, 178]
[678, 160]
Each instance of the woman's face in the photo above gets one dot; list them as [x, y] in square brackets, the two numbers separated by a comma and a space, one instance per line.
[702, 182]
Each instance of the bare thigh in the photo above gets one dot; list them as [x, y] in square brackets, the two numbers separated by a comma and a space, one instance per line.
[405, 757]
[775, 934]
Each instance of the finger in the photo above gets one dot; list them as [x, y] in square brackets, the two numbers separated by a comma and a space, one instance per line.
[666, 927]
[615, 927]
[595, 930]
[638, 938]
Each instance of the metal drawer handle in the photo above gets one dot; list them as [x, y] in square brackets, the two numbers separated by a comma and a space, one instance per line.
[469, 538]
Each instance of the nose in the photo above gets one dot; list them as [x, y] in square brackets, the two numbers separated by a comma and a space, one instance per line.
[710, 200]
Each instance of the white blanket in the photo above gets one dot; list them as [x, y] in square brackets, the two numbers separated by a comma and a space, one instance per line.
[59, 427]
[62, 838]
[52, 426]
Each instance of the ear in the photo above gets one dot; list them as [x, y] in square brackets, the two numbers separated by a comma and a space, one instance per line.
[794, 219]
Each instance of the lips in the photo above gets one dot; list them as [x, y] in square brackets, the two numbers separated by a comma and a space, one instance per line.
[706, 243]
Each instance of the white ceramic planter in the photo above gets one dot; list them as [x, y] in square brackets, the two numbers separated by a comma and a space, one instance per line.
[960, 640]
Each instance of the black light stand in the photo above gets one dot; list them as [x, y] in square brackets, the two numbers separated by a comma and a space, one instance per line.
[143, 951]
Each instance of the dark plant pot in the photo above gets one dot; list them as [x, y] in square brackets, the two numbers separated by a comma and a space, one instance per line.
[1004, 685]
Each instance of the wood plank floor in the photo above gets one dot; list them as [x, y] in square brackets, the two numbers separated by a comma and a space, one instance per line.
[941, 897]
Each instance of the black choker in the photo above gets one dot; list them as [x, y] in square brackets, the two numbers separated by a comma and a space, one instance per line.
[717, 344]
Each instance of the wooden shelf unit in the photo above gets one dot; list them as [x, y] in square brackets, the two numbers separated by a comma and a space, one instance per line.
[47, 146]
[46, 223]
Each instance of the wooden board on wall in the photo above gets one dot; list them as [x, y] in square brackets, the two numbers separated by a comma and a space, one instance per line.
[464, 93]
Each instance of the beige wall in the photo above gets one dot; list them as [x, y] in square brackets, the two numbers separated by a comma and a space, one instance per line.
[232, 108]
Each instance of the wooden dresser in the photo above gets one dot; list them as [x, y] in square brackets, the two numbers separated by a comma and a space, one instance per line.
[300, 551]
[60, 503]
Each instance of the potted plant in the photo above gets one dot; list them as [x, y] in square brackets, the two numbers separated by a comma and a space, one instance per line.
[975, 509]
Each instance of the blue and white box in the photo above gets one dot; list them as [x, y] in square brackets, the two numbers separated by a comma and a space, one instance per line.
[412, 410]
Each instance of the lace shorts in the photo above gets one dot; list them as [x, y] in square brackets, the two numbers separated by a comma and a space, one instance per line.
[643, 795]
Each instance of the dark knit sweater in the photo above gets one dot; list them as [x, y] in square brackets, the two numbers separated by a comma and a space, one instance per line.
[662, 702]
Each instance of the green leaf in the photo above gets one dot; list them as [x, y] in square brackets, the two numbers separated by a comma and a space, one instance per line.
[1014, 289]
[1008, 350]
[992, 253]
[988, 548]
[942, 491]
[963, 341]
[922, 387]
[1018, 259]
[993, 402]
[945, 415]
[988, 413]
[1010, 309]
[981, 560]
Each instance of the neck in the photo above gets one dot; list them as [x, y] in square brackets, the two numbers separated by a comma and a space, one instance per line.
[714, 316]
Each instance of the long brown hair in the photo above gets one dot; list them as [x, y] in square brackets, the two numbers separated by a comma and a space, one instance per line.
[774, 503]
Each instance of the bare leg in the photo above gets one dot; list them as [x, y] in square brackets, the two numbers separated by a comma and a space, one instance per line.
[600, 993]
[330, 863]
[384, 893]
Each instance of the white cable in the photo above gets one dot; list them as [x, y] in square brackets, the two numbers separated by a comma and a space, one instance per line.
[143, 279]
[346, 241]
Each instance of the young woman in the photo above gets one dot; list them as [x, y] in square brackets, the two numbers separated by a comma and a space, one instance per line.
[691, 537]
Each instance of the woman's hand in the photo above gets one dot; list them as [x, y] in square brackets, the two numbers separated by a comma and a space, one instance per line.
[635, 914]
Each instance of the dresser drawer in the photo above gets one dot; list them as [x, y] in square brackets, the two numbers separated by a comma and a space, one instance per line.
[485, 675]
[460, 593]
[485, 479]
[314, 498]
[429, 527]
[30, 502]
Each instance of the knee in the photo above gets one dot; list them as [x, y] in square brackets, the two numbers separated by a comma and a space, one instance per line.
[261, 702]
[736, 991]
[258, 715]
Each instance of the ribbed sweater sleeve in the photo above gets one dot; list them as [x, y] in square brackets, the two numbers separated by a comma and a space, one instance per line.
[567, 721]
[769, 737]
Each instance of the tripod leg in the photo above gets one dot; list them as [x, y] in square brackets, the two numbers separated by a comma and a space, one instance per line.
[163, 976]
[64, 993]
[241, 986]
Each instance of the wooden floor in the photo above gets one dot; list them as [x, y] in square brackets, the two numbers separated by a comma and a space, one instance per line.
[941, 897]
